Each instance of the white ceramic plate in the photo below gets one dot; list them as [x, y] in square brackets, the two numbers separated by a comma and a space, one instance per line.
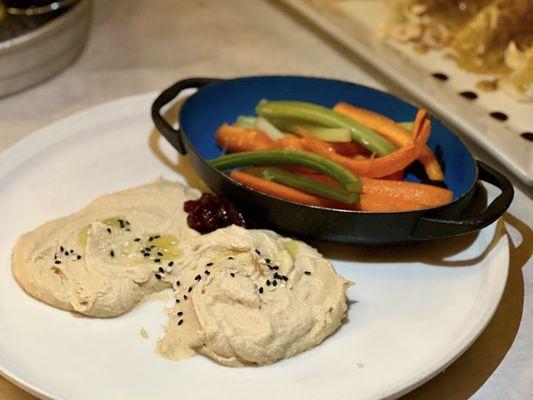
[355, 24]
[407, 319]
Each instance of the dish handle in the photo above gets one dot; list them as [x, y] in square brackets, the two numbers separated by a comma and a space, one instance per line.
[169, 94]
[428, 227]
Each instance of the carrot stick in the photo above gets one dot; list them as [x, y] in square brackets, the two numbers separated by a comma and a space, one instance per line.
[426, 195]
[290, 142]
[236, 138]
[393, 132]
[349, 149]
[380, 166]
[380, 203]
[397, 176]
[281, 191]
[371, 201]
[403, 196]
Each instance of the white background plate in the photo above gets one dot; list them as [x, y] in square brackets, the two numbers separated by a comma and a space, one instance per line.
[356, 23]
[407, 320]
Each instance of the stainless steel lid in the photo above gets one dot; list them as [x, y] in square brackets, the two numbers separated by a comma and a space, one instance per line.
[34, 48]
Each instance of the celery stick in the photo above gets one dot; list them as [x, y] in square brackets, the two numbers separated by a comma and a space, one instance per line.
[322, 116]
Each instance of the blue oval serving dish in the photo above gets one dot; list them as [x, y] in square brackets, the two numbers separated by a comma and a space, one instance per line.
[222, 101]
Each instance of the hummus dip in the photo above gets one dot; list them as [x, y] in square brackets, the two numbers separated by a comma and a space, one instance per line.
[241, 297]
[101, 260]
[251, 297]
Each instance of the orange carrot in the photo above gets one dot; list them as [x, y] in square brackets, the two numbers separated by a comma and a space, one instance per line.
[393, 132]
[281, 191]
[380, 166]
[426, 195]
[290, 142]
[349, 149]
[381, 203]
[399, 195]
[235, 139]
[370, 201]
[397, 176]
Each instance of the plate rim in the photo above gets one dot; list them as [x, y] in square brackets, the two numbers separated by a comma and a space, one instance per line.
[19, 153]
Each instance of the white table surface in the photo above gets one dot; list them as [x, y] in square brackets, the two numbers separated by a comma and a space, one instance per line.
[144, 45]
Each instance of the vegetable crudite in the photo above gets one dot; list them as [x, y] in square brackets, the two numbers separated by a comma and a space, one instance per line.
[309, 143]
[386, 140]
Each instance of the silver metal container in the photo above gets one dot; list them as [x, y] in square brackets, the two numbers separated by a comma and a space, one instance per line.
[37, 55]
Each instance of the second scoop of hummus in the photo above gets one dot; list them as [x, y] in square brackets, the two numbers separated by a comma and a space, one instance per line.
[251, 297]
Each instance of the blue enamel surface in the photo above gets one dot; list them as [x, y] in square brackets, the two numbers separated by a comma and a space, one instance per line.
[222, 102]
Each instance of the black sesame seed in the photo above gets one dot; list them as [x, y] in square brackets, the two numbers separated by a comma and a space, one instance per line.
[197, 277]
[207, 272]
[180, 322]
[150, 238]
[189, 290]
[67, 253]
[112, 253]
[275, 268]
[109, 230]
[160, 254]
[157, 236]
[158, 276]
[161, 270]
[267, 260]
[208, 264]
[157, 260]
[270, 267]
[184, 297]
[268, 282]
[274, 283]
[57, 262]
[180, 313]
[178, 283]
[307, 272]
[61, 249]
[78, 257]
[231, 258]
[232, 275]
[146, 254]
[277, 276]
[152, 246]
[257, 252]
[285, 278]
[177, 300]
[137, 239]
[171, 263]
[261, 290]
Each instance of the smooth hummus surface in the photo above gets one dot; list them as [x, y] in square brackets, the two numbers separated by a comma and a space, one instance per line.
[101, 260]
[241, 297]
[246, 297]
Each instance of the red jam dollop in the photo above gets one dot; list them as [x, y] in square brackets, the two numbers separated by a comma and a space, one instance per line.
[211, 212]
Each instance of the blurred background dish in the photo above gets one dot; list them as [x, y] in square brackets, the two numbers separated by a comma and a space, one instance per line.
[38, 39]
[464, 99]
[483, 36]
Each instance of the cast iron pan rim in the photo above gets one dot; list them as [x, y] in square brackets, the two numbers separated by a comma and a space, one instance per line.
[340, 211]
